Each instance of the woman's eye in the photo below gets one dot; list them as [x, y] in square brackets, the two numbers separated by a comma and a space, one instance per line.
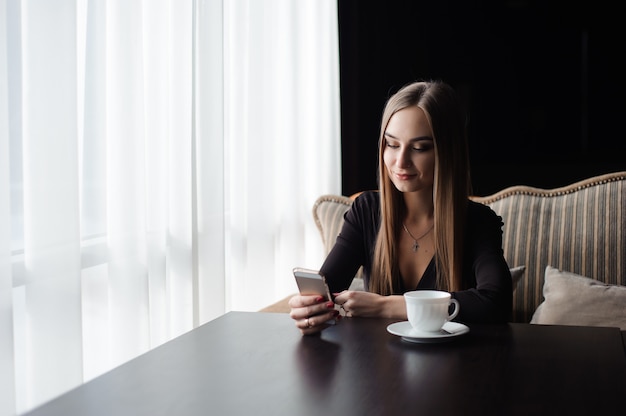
[422, 148]
[392, 146]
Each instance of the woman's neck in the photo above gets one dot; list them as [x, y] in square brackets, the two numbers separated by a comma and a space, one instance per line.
[419, 207]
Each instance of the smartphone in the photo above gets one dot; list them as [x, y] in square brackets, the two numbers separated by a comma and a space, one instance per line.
[311, 282]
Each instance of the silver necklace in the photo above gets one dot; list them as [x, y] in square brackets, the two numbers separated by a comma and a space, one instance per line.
[416, 246]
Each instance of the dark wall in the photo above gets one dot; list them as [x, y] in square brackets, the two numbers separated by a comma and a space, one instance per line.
[542, 84]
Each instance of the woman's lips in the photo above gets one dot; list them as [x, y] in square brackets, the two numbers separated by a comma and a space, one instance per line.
[404, 176]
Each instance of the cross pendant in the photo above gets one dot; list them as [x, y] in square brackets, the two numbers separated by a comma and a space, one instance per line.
[415, 246]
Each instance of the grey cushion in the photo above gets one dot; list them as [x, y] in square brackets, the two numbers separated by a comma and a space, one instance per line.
[516, 275]
[571, 299]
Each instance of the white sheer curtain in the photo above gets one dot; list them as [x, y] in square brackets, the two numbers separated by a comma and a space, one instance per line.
[158, 164]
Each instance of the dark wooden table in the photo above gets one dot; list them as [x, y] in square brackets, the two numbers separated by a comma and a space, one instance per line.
[247, 363]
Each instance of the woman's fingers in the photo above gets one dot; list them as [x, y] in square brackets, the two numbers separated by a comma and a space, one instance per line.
[312, 312]
[299, 301]
[305, 306]
[316, 323]
[342, 299]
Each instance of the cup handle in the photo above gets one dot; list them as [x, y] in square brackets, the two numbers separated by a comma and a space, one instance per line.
[456, 309]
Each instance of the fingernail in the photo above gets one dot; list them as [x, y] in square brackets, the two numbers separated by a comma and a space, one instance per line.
[335, 313]
[319, 299]
[330, 305]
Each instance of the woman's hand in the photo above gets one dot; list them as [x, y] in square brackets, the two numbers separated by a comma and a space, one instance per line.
[311, 312]
[372, 305]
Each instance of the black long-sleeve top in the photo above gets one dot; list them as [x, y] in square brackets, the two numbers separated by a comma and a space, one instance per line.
[487, 294]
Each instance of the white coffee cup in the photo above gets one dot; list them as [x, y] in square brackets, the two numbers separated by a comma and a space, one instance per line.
[427, 310]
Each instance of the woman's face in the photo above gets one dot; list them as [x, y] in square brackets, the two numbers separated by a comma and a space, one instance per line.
[409, 150]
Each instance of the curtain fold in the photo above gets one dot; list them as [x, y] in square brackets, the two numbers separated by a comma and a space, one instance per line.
[209, 209]
[7, 368]
[159, 161]
[50, 199]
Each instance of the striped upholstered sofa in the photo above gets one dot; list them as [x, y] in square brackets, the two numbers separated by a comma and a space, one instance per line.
[576, 232]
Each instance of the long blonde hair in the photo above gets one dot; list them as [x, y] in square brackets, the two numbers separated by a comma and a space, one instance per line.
[451, 188]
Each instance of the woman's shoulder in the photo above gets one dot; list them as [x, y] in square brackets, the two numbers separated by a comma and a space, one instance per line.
[369, 198]
[366, 206]
[481, 213]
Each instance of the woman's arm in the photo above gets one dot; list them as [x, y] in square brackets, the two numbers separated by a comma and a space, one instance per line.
[489, 296]
[347, 255]
[372, 305]
[355, 243]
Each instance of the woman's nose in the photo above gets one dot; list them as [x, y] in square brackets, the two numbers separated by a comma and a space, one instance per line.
[404, 159]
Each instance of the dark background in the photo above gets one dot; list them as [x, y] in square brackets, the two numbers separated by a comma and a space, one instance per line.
[542, 82]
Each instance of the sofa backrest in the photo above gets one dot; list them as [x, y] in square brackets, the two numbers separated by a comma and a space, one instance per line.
[577, 228]
[328, 212]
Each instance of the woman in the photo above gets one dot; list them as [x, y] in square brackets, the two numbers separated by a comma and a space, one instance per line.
[420, 230]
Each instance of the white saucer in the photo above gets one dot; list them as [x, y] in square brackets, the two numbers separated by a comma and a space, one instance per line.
[449, 331]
